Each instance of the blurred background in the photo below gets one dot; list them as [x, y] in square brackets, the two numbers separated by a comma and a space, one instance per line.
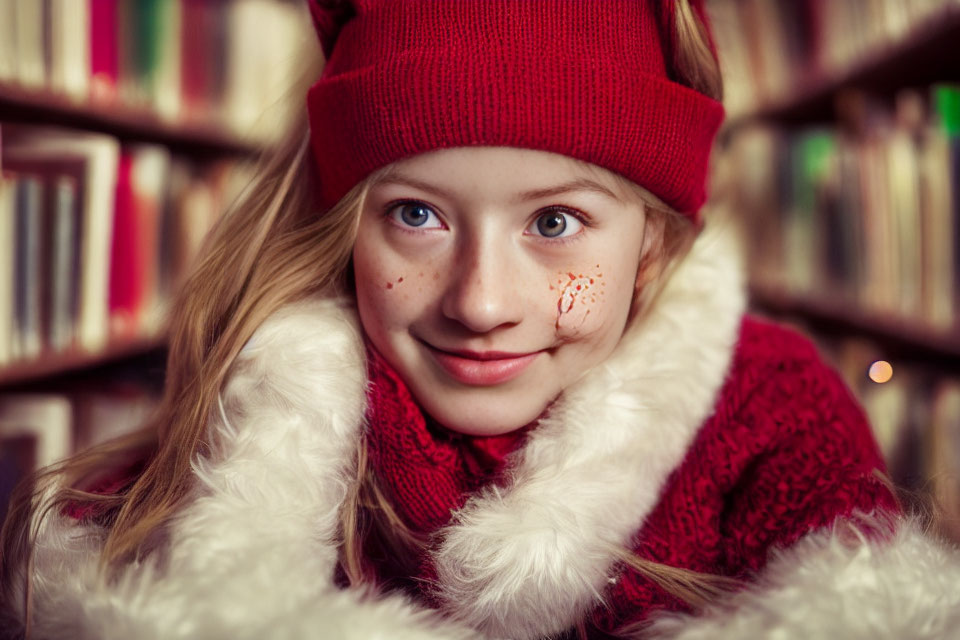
[128, 126]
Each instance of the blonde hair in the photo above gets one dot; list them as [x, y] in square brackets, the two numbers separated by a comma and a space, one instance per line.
[273, 248]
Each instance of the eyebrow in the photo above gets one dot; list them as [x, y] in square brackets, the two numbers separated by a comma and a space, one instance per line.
[580, 184]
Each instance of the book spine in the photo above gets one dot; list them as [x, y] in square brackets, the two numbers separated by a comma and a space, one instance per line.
[104, 50]
[27, 271]
[8, 192]
[62, 282]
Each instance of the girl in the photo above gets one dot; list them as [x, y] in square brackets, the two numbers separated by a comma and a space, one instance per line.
[469, 344]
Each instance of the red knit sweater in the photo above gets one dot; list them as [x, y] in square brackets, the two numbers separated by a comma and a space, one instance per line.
[786, 450]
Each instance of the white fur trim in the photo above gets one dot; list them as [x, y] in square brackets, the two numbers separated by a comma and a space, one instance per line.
[279, 597]
[253, 553]
[528, 561]
[833, 584]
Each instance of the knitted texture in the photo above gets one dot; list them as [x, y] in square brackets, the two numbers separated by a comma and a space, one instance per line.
[585, 79]
[446, 466]
[787, 451]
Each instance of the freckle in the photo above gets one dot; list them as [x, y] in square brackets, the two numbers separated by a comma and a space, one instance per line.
[591, 280]
[421, 274]
[551, 288]
[599, 275]
[389, 285]
[436, 275]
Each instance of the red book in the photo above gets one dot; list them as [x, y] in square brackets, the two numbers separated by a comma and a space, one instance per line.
[196, 66]
[104, 49]
[125, 268]
[134, 255]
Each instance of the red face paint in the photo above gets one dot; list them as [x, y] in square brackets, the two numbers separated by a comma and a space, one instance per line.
[573, 295]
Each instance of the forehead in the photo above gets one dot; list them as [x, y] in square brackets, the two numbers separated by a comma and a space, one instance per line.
[508, 170]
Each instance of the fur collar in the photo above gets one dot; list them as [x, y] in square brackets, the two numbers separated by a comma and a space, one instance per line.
[257, 541]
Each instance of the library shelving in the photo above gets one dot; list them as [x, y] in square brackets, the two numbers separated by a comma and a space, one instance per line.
[920, 57]
[24, 105]
[902, 339]
[841, 156]
[126, 129]
[39, 371]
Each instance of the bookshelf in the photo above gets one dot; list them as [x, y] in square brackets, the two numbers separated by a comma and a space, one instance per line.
[191, 90]
[126, 129]
[841, 156]
[18, 104]
[902, 339]
[41, 371]
[919, 58]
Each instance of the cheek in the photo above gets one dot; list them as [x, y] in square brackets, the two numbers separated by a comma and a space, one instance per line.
[391, 291]
[584, 302]
[377, 283]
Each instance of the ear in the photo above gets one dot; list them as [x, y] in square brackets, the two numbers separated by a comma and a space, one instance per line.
[329, 16]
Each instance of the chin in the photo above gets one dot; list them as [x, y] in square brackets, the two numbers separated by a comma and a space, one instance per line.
[483, 416]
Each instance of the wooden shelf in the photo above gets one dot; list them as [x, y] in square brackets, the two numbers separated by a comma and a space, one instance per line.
[898, 337]
[68, 363]
[928, 54]
[127, 123]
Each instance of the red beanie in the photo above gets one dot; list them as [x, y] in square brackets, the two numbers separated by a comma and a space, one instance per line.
[586, 79]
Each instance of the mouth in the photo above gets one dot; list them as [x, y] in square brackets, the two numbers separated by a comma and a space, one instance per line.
[481, 368]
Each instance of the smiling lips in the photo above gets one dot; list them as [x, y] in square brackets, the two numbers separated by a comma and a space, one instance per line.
[483, 369]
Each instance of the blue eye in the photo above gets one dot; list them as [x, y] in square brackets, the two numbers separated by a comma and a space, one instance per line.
[415, 214]
[555, 224]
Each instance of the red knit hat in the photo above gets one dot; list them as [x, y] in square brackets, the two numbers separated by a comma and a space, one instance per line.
[587, 79]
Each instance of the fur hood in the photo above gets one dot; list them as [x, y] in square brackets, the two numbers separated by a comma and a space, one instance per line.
[253, 553]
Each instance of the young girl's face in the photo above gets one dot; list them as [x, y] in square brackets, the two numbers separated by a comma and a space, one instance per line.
[491, 278]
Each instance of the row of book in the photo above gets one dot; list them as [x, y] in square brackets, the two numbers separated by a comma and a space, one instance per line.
[203, 61]
[95, 235]
[39, 429]
[769, 48]
[865, 213]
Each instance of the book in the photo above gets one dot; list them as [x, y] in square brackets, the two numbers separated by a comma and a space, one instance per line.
[35, 431]
[27, 331]
[47, 417]
[135, 252]
[69, 47]
[8, 190]
[104, 50]
[28, 16]
[98, 154]
[65, 267]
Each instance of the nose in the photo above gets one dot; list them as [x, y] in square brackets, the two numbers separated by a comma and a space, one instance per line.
[482, 292]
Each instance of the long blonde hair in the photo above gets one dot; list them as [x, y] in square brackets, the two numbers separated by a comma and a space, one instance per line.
[272, 248]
